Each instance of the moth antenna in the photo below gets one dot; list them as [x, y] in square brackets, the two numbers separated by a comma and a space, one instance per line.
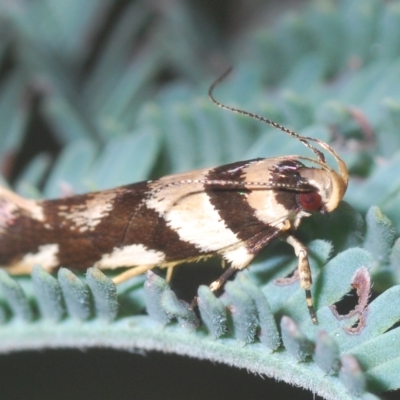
[219, 183]
[303, 139]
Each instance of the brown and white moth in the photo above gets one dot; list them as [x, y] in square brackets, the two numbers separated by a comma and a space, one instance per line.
[232, 211]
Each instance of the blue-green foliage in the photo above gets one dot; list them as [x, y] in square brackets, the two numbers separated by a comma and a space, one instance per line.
[335, 68]
[213, 312]
[294, 340]
[327, 353]
[76, 294]
[17, 300]
[48, 294]
[104, 294]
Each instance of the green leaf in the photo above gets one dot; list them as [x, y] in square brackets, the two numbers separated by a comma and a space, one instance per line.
[380, 235]
[76, 295]
[295, 342]
[16, 297]
[104, 294]
[212, 311]
[327, 353]
[48, 293]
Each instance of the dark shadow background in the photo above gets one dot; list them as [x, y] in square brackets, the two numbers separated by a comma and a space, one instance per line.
[107, 374]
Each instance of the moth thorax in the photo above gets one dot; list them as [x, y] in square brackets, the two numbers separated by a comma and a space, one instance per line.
[323, 182]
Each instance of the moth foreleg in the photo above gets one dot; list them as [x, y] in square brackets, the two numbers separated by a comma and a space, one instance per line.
[304, 272]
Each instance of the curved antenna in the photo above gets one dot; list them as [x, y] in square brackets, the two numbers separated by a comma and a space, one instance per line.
[303, 139]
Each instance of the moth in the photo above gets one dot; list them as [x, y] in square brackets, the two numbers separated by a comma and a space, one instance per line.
[231, 211]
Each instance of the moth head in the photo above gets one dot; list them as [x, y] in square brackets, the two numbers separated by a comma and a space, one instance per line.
[330, 189]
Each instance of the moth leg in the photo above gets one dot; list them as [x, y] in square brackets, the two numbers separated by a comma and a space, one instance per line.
[304, 273]
[130, 273]
[219, 283]
[170, 269]
[223, 263]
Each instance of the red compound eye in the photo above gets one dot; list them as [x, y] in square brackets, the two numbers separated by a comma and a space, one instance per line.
[310, 201]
